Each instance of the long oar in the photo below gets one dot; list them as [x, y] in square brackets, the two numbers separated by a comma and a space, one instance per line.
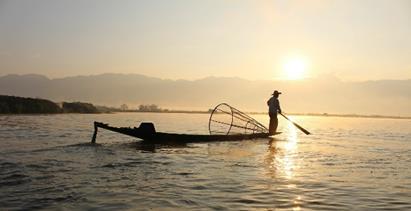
[297, 125]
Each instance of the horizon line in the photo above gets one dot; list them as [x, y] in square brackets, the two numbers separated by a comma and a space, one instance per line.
[328, 76]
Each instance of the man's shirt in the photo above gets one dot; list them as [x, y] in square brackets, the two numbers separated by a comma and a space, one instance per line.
[273, 105]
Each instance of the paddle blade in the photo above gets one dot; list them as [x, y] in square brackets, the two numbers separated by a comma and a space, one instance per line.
[302, 129]
[297, 125]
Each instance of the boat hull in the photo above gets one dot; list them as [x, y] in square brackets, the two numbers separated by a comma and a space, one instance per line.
[159, 137]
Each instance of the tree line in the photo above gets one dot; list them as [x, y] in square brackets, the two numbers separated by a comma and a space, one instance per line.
[23, 105]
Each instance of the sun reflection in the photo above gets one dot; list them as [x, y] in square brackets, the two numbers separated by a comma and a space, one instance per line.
[290, 147]
[297, 208]
[291, 186]
[297, 201]
[280, 160]
[291, 137]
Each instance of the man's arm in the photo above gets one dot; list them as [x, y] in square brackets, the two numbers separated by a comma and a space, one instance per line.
[279, 108]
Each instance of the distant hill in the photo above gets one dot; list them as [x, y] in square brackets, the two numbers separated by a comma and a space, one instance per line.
[320, 95]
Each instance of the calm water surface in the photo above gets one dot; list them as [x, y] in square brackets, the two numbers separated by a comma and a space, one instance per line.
[46, 162]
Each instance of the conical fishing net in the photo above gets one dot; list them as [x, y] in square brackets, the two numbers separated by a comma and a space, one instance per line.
[227, 120]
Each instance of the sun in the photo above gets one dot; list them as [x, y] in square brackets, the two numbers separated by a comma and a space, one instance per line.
[295, 68]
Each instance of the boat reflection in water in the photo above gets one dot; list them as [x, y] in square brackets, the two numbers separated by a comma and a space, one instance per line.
[281, 163]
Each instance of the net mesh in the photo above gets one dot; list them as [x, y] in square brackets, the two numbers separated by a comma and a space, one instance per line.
[227, 120]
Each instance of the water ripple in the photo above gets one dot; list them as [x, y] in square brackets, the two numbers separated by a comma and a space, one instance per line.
[48, 162]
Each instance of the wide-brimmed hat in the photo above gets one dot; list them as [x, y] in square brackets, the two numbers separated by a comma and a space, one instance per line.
[276, 92]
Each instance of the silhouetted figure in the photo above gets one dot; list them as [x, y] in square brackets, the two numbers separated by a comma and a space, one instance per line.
[273, 109]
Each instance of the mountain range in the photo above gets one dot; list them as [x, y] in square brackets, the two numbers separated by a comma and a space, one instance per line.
[325, 94]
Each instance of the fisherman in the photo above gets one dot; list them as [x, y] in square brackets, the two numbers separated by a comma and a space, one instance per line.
[273, 109]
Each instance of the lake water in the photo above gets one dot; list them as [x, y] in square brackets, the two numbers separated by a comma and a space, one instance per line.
[46, 162]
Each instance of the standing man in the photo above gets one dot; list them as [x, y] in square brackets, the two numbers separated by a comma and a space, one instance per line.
[273, 109]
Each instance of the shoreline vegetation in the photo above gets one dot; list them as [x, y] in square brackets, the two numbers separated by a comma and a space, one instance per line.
[24, 105]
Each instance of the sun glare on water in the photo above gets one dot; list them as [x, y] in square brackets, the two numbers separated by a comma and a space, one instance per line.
[295, 68]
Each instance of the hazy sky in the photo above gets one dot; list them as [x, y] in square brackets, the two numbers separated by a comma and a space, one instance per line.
[354, 40]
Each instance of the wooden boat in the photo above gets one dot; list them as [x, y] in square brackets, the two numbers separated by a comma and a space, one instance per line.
[147, 133]
[226, 123]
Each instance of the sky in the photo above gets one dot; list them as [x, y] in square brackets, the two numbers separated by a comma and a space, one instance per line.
[354, 40]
